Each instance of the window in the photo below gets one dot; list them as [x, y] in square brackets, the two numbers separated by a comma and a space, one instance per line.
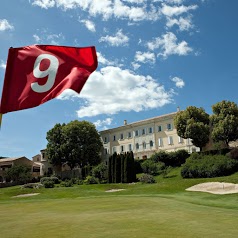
[43, 155]
[36, 169]
[169, 126]
[159, 128]
[160, 142]
[170, 140]
[136, 133]
[129, 134]
[137, 146]
[122, 136]
[114, 138]
[143, 131]
[150, 130]
[151, 143]
[144, 145]
[122, 148]
[114, 149]
[130, 147]
[180, 139]
[105, 139]
[105, 151]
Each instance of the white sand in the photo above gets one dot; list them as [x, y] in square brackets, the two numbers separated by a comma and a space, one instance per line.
[25, 195]
[215, 188]
[114, 190]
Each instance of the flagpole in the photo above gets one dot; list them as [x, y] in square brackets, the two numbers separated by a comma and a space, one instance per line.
[0, 120]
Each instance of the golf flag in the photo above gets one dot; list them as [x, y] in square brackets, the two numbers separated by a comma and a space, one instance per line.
[38, 73]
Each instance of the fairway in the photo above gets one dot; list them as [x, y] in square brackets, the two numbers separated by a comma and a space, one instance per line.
[163, 209]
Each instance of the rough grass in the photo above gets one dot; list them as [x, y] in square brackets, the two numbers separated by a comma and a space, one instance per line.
[163, 209]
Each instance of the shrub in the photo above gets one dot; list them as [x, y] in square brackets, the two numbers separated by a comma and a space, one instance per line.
[208, 166]
[48, 184]
[55, 180]
[91, 180]
[32, 185]
[100, 172]
[138, 168]
[147, 178]
[67, 183]
[150, 167]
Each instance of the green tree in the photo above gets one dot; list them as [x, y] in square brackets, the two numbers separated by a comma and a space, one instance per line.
[224, 122]
[76, 143]
[193, 123]
[55, 144]
[19, 173]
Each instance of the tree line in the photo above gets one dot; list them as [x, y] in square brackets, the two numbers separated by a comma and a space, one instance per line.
[200, 127]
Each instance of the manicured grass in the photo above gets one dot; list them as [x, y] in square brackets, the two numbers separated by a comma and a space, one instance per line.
[163, 209]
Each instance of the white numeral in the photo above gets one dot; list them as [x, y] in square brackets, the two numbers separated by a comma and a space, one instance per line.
[50, 72]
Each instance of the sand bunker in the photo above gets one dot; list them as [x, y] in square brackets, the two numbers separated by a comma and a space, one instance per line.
[114, 190]
[25, 195]
[215, 188]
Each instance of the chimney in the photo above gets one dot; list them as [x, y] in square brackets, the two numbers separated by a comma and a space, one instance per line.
[125, 122]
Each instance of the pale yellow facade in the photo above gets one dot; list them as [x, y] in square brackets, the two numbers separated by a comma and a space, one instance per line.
[145, 137]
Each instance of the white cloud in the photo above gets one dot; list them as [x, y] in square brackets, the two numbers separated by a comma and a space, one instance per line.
[170, 11]
[184, 24]
[167, 45]
[103, 123]
[2, 64]
[113, 90]
[5, 25]
[89, 25]
[103, 60]
[146, 57]
[44, 3]
[117, 40]
[135, 65]
[48, 38]
[178, 82]
[106, 8]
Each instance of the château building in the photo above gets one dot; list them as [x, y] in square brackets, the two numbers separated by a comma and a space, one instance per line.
[145, 137]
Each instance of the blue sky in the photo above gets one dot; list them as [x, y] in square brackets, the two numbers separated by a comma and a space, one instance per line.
[153, 56]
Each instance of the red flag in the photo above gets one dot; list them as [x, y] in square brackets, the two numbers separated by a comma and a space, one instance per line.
[38, 73]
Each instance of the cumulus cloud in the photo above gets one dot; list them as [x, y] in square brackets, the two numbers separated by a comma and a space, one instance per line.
[103, 60]
[178, 82]
[118, 39]
[171, 11]
[46, 37]
[2, 64]
[106, 8]
[145, 57]
[5, 25]
[89, 25]
[102, 124]
[114, 90]
[167, 45]
[184, 24]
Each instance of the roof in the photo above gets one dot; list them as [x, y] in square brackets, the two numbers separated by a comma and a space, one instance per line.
[141, 122]
[11, 159]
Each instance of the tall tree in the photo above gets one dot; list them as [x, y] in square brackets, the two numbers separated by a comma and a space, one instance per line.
[54, 147]
[224, 122]
[76, 143]
[193, 123]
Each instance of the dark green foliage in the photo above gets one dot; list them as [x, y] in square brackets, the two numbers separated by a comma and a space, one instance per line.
[122, 168]
[100, 172]
[208, 166]
[32, 185]
[110, 170]
[149, 167]
[55, 180]
[86, 170]
[91, 180]
[118, 169]
[76, 143]
[174, 159]
[147, 178]
[19, 173]
[138, 168]
[67, 183]
[48, 184]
